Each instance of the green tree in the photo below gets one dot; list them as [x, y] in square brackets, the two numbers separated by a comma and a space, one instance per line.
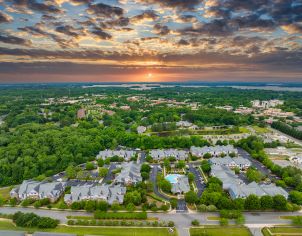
[103, 172]
[207, 155]
[295, 197]
[266, 202]
[191, 197]
[100, 162]
[115, 207]
[165, 185]
[252, 202]
[90, 166]
[133, 197]
[181, 164]
[90, 206]
[130, 207]
[71, 172]
[253, 175]
[145, 168]
[279, 202]
[102, 206]
[173, 203]
[191, 177]
[205, 166]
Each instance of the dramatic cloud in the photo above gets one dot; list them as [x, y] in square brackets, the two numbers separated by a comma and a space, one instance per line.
[14, 40]
[4, 18]
[37, 6]
[101, 9]
[161, 29]
[168, 36]
[181, 4]
[146, 15]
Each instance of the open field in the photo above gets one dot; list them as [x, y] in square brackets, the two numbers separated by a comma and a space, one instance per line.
[104, 231]
[4, 192]
[243, 129]
[218, 231]
[260, 130]
[282, 231]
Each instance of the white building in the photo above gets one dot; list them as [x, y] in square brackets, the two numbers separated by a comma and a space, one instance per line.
[214, 151]
[126, 154]
[160, 154]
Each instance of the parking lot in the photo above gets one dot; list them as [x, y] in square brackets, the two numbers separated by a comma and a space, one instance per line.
[199, 181]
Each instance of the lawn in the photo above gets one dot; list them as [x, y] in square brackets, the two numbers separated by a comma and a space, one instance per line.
[4, 192]
[260, 130]
[294, 231]
[123, 231]
[218, 231]
[244, 130]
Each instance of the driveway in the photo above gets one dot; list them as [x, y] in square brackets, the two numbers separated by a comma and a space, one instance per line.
[155, 170]
[198, 179]
[255, 163]
[110, 175]
[181, 206]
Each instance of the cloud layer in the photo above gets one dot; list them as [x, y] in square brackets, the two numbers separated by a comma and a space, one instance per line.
[174, 36]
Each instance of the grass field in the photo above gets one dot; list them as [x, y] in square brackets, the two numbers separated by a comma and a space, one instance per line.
[124, 231]
[4, 192]
[218, 231]
[260, 129]
[244, 130]
[280, 231]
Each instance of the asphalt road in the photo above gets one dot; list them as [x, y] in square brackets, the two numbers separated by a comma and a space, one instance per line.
[257, 164]
[109, 176]
[155, 170]
[181, 206]
[142, 157]
[198, 179]
[182, 220]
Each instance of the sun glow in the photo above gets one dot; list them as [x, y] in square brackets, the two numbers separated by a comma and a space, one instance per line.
[149, 75]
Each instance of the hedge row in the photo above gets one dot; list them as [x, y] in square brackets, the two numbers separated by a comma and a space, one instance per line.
[120, 215]
[121, 223]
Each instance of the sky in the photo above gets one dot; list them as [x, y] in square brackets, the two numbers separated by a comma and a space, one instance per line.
[150, 40]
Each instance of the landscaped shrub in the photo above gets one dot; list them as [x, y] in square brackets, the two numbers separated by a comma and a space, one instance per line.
[230, 214]
[224, 221]
[120, 215]
[33, 220]
[297, 220]
[195, 222]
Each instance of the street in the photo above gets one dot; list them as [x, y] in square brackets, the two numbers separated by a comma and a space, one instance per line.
[182, 220]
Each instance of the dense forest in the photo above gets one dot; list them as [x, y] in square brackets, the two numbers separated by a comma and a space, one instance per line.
[41, 140]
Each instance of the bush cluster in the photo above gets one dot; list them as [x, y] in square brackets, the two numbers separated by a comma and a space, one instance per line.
[32, 220]
[121, 223]
[120, 215]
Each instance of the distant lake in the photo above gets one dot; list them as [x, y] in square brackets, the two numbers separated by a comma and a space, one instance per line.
[273, 88]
